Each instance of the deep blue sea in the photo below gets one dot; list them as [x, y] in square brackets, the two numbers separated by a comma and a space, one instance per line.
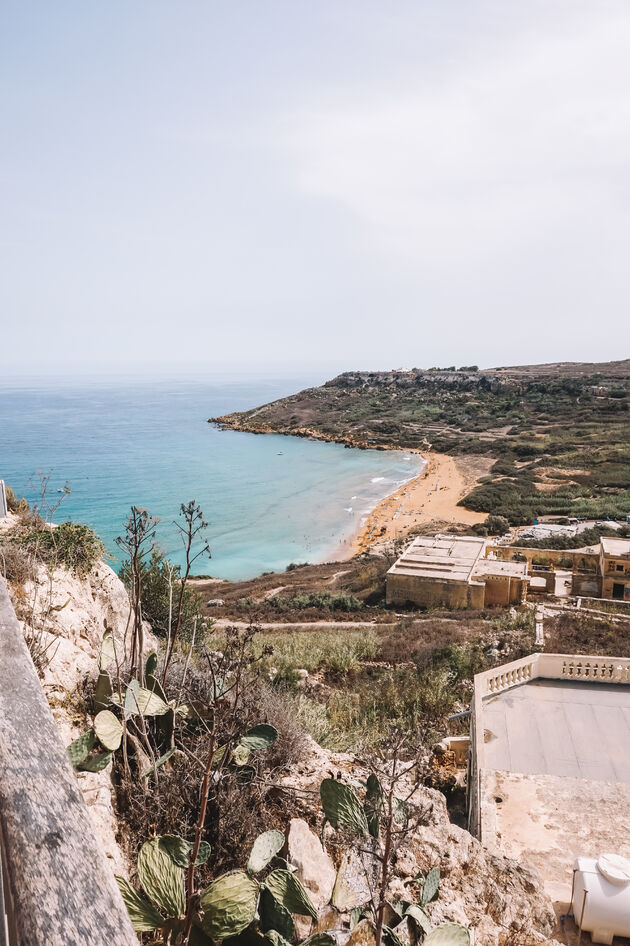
[269, 500]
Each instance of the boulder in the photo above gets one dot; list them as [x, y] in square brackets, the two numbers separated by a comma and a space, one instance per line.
[314, 866]
[362, 935]
[351, 886]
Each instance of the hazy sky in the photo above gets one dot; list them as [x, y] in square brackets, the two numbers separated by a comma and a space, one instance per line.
[314, 182]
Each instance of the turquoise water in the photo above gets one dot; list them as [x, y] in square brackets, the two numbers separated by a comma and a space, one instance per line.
[269, 500]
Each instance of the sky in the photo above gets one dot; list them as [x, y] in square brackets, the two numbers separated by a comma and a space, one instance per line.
[336, 184]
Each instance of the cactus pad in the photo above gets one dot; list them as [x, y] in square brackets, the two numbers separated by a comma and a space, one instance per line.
[161, 880]
[143, 915]
[229, 905]
[264, 849]
[342, 807]
[259, 737]
[79, 750]
[448, 934]
[108, 729]
[288, 891]
[430, 888]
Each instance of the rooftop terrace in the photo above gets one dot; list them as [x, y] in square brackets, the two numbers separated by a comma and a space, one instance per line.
[549, 772]
[560, 727]
[442, 557]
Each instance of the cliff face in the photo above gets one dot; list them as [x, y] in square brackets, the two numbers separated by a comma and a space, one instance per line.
[65, 616]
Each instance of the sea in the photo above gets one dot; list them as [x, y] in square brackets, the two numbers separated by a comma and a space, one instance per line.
[114, 442]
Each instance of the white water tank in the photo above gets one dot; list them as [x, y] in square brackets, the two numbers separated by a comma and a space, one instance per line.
[601, 896]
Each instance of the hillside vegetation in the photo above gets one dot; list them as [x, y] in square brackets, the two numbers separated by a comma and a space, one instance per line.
[559, 434]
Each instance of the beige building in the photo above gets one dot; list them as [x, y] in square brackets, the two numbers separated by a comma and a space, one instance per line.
[449, 571]
[615, 568]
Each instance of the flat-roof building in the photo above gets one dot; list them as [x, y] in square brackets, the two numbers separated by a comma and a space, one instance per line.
[615, 568]
[452, 571]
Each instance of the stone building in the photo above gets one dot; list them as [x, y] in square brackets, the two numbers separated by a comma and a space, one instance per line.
[449, 571]
[615, 568]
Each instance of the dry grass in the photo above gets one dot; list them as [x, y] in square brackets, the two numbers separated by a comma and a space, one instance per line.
[576, 633]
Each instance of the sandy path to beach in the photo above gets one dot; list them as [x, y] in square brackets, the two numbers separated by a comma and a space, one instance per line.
[433, 494]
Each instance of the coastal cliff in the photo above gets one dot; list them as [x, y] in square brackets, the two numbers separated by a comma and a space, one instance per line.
[557, 436]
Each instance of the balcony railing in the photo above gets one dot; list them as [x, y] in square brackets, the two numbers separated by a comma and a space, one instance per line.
[553, 667]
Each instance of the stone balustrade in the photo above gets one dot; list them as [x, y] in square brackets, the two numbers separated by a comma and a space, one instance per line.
[553, 667]
[512, 674]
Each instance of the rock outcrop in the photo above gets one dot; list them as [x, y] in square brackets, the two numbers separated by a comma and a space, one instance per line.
[502, 900]
[68, 614]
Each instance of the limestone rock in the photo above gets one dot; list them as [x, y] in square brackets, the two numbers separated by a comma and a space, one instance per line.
[314, 866]
[351, 886]
[68, 614]
[362, 935]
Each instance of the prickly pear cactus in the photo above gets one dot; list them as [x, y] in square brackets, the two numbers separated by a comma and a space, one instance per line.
[102, 691]
[154, 685]
[274, 917]
[108, 730]
[259, 737]
[108, 652]
[228, 905]
[161, 880]
[151, 665]
[79, 750]
[179, 850]
[140, 700]
[342, 807]
[373, 804]
[419, 917]
[143, 915]
[288, 891]
[264, 849]
[448, 934]
[430, 887]
[96, 763]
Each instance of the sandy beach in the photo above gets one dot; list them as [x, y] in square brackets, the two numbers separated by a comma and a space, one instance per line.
[433, 495]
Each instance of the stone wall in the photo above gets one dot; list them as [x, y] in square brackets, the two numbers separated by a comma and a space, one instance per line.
[559, 558]
[431, 593]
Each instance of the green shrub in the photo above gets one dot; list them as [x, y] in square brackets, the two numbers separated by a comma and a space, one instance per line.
[71, 544]
[154, 575]
[497, 525]
[323, 601]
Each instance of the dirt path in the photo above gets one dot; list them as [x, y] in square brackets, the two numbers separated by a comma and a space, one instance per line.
[313, 625]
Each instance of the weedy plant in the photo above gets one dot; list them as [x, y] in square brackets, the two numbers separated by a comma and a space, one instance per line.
[379, 821]
[235, 903]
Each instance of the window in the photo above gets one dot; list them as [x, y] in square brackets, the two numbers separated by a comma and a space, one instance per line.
[619, 568]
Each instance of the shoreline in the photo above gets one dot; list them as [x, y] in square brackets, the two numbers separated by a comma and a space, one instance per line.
[431, 495]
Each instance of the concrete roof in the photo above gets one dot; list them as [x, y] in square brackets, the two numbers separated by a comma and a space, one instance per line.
[443, 557]
[615, 546]
[560, 727]
[490, 566]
